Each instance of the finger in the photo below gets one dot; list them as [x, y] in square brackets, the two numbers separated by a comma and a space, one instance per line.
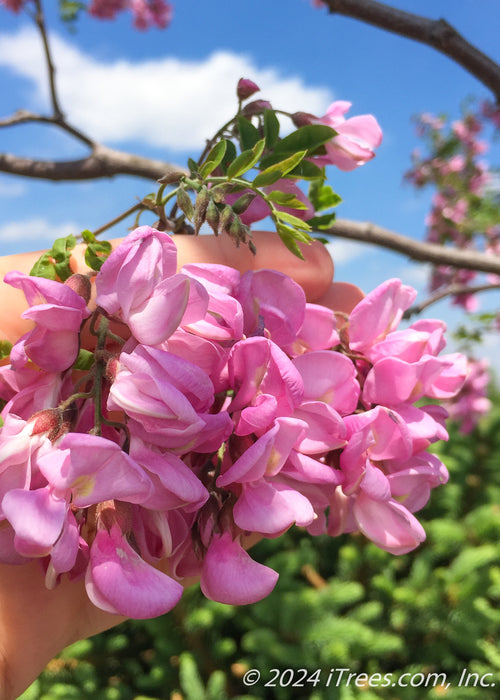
[341, 296]
[314, 273]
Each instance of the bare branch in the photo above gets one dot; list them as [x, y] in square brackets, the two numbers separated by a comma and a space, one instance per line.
[436, 33]
[450, 290]
[416, 250]
[40, 23]
[102, 162]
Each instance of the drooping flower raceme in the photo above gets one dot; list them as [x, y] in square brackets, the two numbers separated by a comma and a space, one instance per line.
[221, 405]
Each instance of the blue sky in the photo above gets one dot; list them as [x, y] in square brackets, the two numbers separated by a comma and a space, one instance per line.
[160, 93]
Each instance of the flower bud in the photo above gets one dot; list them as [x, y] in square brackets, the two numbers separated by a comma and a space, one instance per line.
[302, 119]
[255, 107]
[46, 420]
[213, 216]
[243, 202]
[185, 203]
[81, 285]
[246, 88]
[200, 208]
[226, 217]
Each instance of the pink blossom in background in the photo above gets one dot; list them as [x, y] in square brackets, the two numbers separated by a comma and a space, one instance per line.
[13, 5]
[471, 402]
[146, 13]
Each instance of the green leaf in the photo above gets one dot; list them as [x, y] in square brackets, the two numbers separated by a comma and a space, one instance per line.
[289, 238]
[322, 196]
[44, 267]
[271, 128]
[61, 252]
[249, 134]
[69, 10]
[292, 220]
[214, 158]
[97, 253]
[275, 172]
[307, 170]
[229, 156]
[84, 360]
[322, 222]
[286, 199]
[88, 236]
[193, 166]
[306, 138]
[5, 348]
[246, 160]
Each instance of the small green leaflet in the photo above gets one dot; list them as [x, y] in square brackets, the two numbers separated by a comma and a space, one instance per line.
[246, 160]
[97, 251]
[306, 138]
[285, 199]
[271, 128]
[214, 158]
[55, 263]
[275, 172]
[322, 223]
[249, 134]
[289, 237]
[292, 220]
[84, 360]
[322, 196]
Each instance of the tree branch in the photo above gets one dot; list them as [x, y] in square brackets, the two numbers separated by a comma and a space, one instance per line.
[436, 33]
[416, 250]
[450, 290]
[40, 23]
[102, 162]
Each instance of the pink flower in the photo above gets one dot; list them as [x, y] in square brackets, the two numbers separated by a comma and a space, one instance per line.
[272, 302]
[138, 283]
[13, 5]
[58, 313]
[107, 9]
[148, 13]
[378, 314]
[168, 401]
[119, 581]
[357, 137]
[230, 575]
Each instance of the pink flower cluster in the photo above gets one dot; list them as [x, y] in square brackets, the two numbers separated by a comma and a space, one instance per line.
[471, 402]
[146, 13]
[220, 407]
[462, 180]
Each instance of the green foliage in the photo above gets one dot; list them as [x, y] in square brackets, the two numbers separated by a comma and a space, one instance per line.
[5, 348]
[96, 252]
[340, 603]
[55, 263]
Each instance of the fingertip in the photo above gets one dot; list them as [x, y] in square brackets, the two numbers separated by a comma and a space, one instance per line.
[341, 296]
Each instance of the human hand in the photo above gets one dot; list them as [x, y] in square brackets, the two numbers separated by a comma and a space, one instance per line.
[35, 623]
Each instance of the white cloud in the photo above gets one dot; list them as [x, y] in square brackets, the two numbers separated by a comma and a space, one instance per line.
[345, 251]
[36, 229]
[165, 102]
